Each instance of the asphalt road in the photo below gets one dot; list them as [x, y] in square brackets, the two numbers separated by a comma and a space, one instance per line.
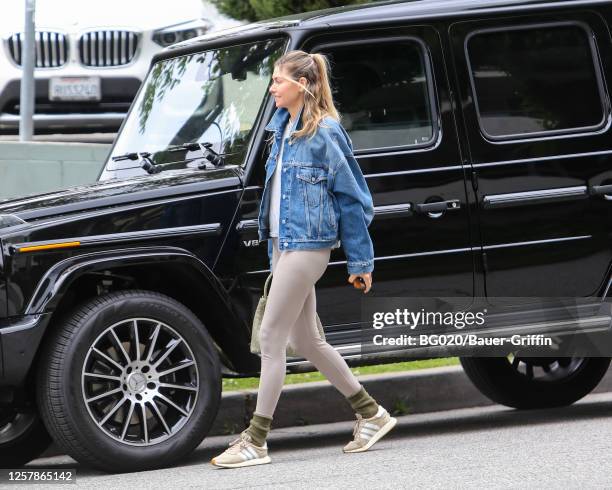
[491, 447]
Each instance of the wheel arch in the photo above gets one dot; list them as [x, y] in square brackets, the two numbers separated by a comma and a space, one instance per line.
[167, 270]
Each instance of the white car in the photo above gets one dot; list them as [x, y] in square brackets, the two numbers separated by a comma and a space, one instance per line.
[91, 56]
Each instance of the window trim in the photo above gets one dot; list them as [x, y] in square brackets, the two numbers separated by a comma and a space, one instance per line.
[432, 96]
[547, 133]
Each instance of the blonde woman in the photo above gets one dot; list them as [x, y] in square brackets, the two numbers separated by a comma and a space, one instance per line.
[315, 198]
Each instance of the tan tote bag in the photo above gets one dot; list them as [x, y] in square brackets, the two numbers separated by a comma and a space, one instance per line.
[259, 313]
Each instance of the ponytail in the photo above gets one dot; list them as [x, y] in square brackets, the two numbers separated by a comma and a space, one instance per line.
[318, 99]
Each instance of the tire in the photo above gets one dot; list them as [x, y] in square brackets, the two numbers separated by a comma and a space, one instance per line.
[23, 437]
[141, 424]
[531, 382]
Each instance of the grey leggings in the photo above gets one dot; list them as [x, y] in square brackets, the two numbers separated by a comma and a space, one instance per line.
[290, 317]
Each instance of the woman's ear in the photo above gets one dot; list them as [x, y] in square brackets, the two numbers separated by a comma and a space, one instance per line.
[303, 83]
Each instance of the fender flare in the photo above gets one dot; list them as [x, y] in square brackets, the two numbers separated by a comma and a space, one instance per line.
[57, 281]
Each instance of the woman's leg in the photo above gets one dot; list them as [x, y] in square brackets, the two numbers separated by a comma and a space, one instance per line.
[260, 424]
[295, 273]
[373, 421]
[304, 338]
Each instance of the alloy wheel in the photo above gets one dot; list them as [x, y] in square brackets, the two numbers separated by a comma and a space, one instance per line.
[546, 369]
[140, 381]
[14, 424]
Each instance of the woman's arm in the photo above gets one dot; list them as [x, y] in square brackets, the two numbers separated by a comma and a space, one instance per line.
[356, 209]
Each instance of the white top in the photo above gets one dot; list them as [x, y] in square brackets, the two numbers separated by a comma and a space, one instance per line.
[275, 187]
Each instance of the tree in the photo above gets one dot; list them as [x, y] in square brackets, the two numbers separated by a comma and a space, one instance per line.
[254, 10]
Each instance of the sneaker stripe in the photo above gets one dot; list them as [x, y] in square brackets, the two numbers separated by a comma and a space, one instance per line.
[252, 452]
[365, 430]
[245, 455]
[371, 426]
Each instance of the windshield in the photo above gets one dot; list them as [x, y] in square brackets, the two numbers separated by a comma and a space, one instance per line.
[213, 97]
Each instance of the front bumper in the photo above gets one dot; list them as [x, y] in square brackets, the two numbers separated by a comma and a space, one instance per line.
[19, 341]
[51, 122]
[106, 114]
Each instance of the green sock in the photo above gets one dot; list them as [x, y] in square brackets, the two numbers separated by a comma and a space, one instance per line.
[258, 429]
[363, 403]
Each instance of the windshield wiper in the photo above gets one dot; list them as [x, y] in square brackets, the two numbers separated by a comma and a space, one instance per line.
[207, 152]
[210, 155]
[145, 159]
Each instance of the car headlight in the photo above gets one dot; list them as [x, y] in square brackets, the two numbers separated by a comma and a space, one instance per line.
[180, 32]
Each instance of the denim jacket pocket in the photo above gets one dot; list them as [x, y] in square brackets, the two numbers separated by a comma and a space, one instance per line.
[313, 187]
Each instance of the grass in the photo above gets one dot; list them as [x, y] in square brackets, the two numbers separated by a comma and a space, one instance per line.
[232, 384]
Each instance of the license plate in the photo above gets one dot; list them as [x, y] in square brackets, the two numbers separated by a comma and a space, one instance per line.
[75, 88]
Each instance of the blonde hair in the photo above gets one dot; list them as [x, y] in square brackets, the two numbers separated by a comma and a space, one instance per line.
[318, 100]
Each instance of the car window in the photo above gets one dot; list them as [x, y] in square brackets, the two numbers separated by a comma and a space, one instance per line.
[213, 96]
[533, 80]
[382, 93]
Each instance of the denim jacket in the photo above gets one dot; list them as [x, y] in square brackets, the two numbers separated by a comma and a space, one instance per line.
[325, 200]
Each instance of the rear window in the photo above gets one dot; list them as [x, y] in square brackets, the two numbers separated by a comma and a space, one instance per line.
[535, 80]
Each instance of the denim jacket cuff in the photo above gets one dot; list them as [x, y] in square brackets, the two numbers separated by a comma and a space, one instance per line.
[361, 267]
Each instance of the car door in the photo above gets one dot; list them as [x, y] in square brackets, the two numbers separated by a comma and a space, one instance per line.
[391, 89]
[537, 116]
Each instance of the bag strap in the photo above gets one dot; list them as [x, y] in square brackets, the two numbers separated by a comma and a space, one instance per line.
[267, 286]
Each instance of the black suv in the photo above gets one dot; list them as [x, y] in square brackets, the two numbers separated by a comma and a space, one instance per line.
[484, 132]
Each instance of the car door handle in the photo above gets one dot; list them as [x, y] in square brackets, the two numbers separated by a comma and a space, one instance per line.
[247, 225]
[601, 190]
[393, 211]
[437, 207]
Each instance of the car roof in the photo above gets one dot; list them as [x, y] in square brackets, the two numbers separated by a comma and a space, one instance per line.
[392, 9]
[372, 13]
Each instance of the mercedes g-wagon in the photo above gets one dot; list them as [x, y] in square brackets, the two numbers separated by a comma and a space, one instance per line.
[483, 130]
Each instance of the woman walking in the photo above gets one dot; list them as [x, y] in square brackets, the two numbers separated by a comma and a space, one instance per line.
[315, 197]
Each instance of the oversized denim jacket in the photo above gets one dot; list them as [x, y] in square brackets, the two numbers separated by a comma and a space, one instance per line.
[325, 200]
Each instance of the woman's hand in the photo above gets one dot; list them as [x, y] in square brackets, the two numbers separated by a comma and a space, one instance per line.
[367, 278]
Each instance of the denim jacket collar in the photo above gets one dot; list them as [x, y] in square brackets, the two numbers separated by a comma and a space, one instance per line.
[280, 118]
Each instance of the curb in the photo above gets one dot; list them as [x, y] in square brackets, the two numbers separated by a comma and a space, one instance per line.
[401, 393]
[319, 402]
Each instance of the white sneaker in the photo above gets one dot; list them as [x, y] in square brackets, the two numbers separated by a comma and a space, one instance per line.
[242, 452]
[369, 431]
